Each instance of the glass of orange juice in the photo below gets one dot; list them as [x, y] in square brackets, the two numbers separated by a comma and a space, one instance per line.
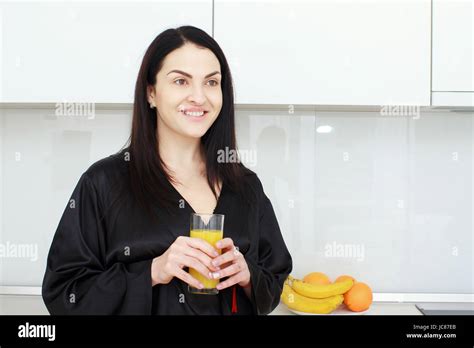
[209, 227]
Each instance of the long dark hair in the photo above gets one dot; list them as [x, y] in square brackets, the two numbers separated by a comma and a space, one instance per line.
[149, 179]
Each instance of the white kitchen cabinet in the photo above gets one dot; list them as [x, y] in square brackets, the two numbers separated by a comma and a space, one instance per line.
[453, 45]
[453, 74]
[84, 51]
[327, 52]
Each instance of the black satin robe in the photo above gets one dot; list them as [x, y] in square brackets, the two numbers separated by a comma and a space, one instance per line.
[101, 254]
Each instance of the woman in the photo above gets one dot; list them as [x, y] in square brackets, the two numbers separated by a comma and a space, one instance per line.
[122, 244]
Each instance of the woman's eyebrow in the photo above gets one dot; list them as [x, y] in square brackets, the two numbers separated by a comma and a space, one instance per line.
[189, 75]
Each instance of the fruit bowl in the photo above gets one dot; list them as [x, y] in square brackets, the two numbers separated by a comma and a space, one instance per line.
[316, 295]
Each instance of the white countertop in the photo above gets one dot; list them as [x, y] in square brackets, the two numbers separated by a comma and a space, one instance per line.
[22, 305]
[377, 308]
[33, 305]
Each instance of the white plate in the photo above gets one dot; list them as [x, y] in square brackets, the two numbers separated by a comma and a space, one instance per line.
[341, 310]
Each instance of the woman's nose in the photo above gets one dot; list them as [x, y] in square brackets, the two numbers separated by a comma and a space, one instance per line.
[197, 95]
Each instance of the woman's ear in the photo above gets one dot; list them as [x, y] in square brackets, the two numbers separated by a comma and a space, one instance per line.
[151, 96]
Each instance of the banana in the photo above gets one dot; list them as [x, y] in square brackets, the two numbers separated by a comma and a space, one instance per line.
[319, 291]
[309, 305]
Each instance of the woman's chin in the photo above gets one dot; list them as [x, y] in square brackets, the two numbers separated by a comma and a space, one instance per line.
[194, 133]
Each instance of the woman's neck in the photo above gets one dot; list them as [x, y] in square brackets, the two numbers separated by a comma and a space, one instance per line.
[179, 153]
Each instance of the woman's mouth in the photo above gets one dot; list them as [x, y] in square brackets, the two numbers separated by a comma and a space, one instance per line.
[194, 115]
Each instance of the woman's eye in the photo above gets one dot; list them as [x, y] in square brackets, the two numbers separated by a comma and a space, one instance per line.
[180, 84]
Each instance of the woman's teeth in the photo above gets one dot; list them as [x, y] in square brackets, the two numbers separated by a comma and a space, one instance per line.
[195, 114]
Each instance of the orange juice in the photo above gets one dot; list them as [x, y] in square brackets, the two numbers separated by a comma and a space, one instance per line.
[212, 237]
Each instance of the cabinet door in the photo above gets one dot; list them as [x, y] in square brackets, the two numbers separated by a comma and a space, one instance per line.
[84, 51]
[327, 52]
[453, 45]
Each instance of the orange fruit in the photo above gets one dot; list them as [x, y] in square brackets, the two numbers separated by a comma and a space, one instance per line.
[359, 297]
[344, 277]
[317, 278]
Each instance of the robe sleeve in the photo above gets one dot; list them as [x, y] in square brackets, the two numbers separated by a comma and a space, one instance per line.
[274, 260]
[76, 280]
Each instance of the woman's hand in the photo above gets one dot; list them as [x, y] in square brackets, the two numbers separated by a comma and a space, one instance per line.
[184, 252]
[232, 264]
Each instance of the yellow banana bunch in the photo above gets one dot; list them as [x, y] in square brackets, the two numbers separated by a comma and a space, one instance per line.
[309, 305]
[319, 291]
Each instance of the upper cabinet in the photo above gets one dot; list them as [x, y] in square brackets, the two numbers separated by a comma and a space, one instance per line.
[84, 51]
[327, 52]
[453, 74]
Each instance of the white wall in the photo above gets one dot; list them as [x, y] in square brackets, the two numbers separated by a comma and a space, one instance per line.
[387, 184]
[396, 186]
[55, 151]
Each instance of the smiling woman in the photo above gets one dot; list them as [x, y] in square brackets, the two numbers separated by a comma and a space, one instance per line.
[198, 97]
[124, 246]
[184, 73]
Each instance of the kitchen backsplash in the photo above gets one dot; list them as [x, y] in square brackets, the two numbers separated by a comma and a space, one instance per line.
[383, 197]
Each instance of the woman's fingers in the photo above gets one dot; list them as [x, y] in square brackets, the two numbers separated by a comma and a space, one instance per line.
[228, 271]
[225, 243]
[231, 281]
[226, 257]
[205, 259]
[225, 265]
[194, 263]
[188, 278]
[202, 245]
[202, 257]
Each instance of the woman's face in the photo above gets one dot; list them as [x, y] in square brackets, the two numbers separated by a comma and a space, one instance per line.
[189, 81]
